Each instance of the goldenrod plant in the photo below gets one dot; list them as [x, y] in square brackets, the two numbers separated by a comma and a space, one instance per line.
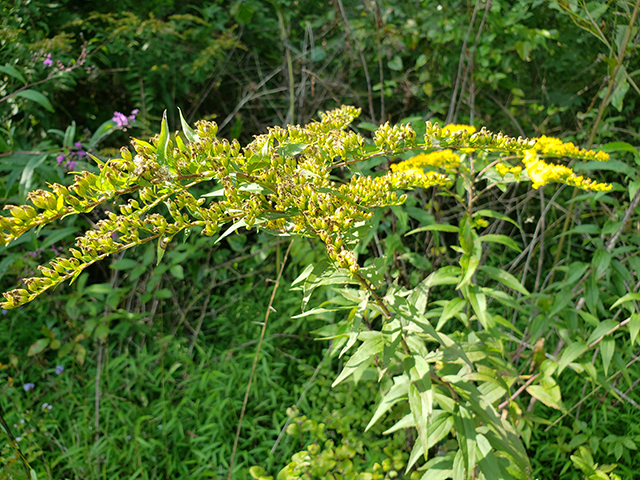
[298, 181]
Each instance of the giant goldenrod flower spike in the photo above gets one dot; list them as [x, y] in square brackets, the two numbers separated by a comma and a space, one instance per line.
[542, 173]
[554, 147]
[451, 129]
[442, 159]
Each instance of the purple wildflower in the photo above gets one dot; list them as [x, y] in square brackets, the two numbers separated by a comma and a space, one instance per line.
[78, 145]
[120, 119]
[81, 153]
[71, 164]
[28, 386]
[48, 61]
[59, 369]
[132, 117]
[4, 311]
[60, 159]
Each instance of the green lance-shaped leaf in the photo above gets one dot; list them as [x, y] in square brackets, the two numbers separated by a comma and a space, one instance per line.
[479, 305]
[354, 319]
[12, 71]
[369, 349]
[421, 399]
[570, 353]
[505, 277]
[472, 252]
[189, 132]
[163, 140]
[37, 97]
[502, 239]
[399, 391]
[496, 215]
[466, 433]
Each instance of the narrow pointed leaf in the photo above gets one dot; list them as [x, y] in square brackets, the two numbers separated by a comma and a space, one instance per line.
[163, 140]
[399, 391]
[191, 135]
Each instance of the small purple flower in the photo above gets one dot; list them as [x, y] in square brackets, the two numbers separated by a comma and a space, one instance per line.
[81, 153]
[48, 61]
[71, 165]
[120, 119]
[59, 369]
[60, 159]
[78, 145]
[29, 386]
[4, 311]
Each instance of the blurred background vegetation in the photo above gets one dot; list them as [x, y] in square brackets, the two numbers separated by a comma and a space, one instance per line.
[138, 370]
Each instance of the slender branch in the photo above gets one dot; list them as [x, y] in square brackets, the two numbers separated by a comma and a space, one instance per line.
[541, 253]
[14, 445]
[255, 362]
[286, 46]
[454, 96]
[96, 421]
[583, 399]
[378, 22]
[506, 112]
[469, 69]
[362, 59]
[79, 62]
[302, 395]
[519, 391]
[376, 298]
[625, 220]
[614, 74]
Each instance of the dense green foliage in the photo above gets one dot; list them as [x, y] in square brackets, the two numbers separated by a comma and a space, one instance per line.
[139, 368]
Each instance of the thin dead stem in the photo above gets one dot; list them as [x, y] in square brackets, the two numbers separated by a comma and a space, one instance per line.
[255, 361]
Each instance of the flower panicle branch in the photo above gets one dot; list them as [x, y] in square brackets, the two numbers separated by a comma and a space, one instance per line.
[281, 181]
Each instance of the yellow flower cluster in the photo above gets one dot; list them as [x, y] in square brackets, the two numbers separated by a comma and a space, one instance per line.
[443, 159]
[451, 129]
[542, 173]
[554, 147]
[503, 170]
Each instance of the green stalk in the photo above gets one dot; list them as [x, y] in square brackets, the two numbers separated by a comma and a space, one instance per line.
[285, 42]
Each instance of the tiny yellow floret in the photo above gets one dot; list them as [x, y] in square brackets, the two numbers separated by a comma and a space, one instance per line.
[442, 159]
[542, 173]
[554, 147]
[503, 170]
[451, 129]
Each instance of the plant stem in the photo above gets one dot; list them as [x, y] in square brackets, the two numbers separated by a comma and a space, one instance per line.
[255, 361]
[362, 59]
[14, 445]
